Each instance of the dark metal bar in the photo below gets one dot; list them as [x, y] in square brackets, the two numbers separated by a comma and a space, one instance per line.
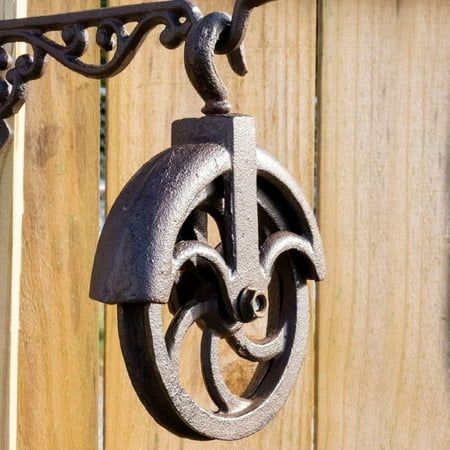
[93, 17]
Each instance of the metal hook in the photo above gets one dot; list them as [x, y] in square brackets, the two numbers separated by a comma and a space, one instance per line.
[218, 33]
[239, 24]
[199, 61]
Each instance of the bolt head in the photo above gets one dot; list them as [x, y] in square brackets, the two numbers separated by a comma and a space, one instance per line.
[253, 305]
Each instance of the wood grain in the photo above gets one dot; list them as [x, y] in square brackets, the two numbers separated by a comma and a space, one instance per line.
[384, 208]
[59, 324]
[142, 103]
[11, 195]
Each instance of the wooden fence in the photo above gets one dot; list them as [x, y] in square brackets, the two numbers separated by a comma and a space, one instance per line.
[354, 98]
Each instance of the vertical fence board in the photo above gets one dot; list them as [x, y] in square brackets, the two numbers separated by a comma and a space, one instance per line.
[11, 199]
[142, 103]
[384, 206]
[59, 324]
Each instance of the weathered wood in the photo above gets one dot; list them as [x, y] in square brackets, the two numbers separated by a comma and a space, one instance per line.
[384, 205]
[11, 200]
[59, 324]
[142, 103]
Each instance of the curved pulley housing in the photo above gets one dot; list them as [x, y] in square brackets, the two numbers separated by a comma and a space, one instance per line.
[136, 255]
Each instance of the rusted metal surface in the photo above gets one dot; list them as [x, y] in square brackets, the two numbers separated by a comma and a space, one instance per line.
[200, 64]
[154, 253]
[218, 33]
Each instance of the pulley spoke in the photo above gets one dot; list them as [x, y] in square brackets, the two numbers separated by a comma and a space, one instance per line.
[182, 321]
[258, 351]
[225, 400]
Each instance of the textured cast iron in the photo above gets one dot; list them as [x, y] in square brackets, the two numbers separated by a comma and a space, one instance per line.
[153, 253]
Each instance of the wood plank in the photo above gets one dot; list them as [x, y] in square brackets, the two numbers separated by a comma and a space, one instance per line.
[59, 324]
[11, 195]
[384, 209]
[143, 101]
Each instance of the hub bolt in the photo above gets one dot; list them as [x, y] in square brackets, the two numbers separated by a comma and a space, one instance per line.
[252, 305]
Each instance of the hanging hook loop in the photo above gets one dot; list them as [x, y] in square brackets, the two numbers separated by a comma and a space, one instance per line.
[199, 52]
[218, 33]
[239, 25]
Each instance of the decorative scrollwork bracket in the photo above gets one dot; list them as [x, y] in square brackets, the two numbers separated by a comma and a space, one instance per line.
[154, 251]
[178, 17]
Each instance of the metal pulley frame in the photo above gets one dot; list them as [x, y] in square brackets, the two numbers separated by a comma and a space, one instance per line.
[154, 254]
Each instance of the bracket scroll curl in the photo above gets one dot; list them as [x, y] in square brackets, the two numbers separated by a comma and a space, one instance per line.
[178, 16]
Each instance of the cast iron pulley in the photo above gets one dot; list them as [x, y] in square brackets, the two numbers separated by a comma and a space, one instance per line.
[154, 252]
[155, 257]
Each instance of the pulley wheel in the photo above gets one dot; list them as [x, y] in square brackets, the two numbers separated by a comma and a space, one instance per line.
[152, 353]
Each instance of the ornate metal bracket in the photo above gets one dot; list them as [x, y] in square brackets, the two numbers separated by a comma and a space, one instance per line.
[154, 252]
[178, 16]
